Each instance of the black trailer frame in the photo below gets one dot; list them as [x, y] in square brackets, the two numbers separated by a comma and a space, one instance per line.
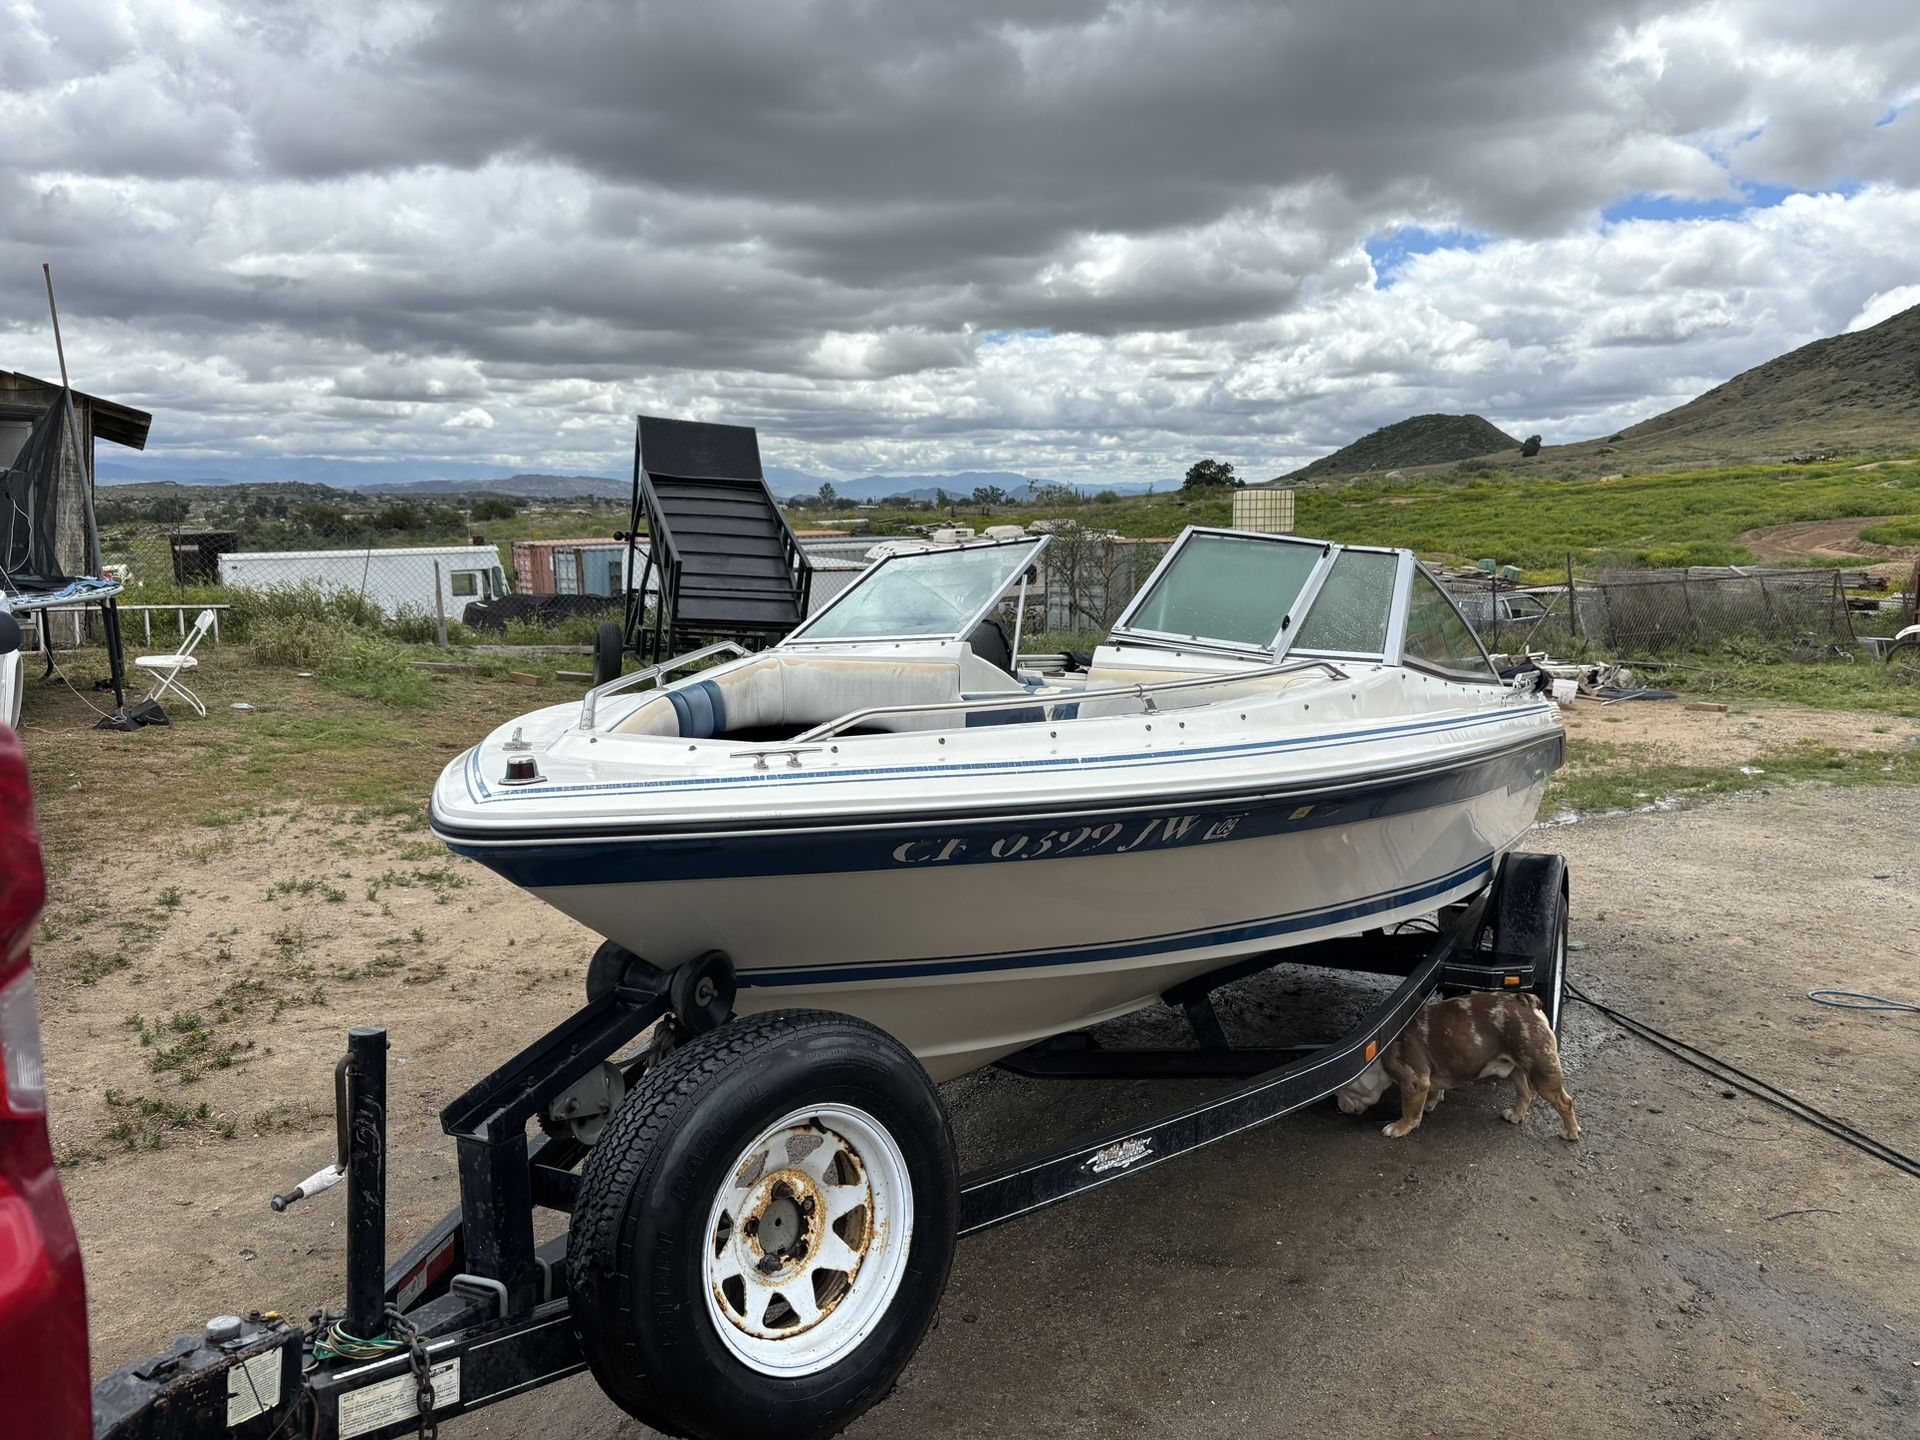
[479, 1311]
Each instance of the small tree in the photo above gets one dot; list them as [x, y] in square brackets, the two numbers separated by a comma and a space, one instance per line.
[828, 495]
[495, 507]
[987, 496]
[1211, 474]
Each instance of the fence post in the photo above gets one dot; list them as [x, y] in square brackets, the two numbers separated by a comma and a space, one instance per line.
[439, 609]
[1574, 628]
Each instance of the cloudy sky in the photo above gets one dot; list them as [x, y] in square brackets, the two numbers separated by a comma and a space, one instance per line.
[1071, 238]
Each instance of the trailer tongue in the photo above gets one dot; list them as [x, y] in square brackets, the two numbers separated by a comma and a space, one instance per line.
[477, 1312]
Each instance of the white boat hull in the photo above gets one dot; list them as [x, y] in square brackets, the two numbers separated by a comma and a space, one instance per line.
[970, 939]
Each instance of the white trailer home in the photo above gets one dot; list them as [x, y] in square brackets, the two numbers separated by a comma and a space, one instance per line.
[395, 580]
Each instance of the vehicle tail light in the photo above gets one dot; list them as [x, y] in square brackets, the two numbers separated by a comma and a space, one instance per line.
[21, 1064]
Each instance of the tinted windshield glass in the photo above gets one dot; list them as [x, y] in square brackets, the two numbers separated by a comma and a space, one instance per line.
[1437, 638]
[1350, 613]
[933, 594]
[1229, 588]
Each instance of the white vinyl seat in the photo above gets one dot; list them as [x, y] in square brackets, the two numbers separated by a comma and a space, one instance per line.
[167, 669]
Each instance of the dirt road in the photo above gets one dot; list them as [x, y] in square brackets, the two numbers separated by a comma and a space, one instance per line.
[1696, 1266]
[1820, 540]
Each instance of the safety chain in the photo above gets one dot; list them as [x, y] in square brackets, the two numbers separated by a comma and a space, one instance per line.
[403, 1329]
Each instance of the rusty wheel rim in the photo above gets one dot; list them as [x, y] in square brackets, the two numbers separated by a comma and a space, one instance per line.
[807, 1240]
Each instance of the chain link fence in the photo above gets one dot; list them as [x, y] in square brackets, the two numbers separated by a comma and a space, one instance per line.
[1636, 612]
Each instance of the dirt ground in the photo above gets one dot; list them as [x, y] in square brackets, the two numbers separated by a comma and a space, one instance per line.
[1820, 540]
[1666, 732]
[1698, 1265]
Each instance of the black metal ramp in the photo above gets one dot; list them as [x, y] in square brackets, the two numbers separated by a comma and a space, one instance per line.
[727, 565]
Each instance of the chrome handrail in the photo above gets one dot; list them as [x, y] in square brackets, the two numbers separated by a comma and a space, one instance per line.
[590, 702]
[1143, 692]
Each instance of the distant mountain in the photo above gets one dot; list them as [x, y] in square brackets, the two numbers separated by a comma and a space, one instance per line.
[527, 487]
[787, 484]
[1421, 440]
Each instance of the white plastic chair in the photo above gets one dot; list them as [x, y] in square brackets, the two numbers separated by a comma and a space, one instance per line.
[166, 669]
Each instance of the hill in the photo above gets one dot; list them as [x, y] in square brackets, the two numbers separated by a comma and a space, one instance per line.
[525, 487]
[1421, 440]
[1850, 393]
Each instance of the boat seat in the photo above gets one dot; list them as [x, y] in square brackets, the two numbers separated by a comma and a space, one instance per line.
[701, 709]
[989, 642]
[791, 692]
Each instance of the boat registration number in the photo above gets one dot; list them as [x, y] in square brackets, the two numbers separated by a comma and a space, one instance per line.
[1115, 837]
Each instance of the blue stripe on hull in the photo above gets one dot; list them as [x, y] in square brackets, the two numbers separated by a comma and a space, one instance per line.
[1270, 928]
[947, 843]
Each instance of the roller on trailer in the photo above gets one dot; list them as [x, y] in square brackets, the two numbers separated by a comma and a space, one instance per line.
[762, 1211]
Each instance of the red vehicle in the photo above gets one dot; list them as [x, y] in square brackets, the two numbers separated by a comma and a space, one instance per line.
[44, 1388]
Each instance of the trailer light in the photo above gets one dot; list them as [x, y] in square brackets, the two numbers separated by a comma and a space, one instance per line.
[1371, 1048]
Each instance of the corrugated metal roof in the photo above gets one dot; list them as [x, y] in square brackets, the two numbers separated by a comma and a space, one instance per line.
[121, 424]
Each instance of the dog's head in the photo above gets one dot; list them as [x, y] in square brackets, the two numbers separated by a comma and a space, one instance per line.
[1363, 1093]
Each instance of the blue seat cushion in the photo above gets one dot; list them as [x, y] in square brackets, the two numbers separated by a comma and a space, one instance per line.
[701, 709]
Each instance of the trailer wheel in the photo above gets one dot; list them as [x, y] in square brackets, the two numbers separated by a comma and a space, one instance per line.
[609, 652]
[1903, 660]
[764, 1231]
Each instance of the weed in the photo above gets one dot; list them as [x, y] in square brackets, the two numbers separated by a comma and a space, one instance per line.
[146, 1123]
[170, 898]
[1602, 777]
[94, 966]
[383, 963]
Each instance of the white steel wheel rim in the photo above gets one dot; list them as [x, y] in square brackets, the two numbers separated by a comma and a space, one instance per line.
[807, 1241]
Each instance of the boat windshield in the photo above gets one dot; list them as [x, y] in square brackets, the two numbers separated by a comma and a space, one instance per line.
[929, 595]
[1224, 588]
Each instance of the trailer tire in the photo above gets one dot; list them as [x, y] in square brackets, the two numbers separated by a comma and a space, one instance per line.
[709, 1155]
[1903, 660]
[609, 652]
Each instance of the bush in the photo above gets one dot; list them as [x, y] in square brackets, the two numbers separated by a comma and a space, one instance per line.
[344, 658]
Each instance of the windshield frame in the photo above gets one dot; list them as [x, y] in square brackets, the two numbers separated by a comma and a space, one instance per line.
[1124, 631]
[1035, 545]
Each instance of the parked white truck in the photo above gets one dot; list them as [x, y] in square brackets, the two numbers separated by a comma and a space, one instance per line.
[395, 580]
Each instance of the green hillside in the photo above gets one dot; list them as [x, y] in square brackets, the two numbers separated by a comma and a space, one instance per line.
[1420, 440]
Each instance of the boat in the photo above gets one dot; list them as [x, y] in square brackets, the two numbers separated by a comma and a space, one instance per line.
[1281, 741]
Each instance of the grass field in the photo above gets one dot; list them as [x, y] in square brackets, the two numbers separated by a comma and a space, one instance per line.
[1533, 520]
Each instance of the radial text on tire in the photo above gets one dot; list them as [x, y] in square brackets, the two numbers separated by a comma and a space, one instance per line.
[765, 1230]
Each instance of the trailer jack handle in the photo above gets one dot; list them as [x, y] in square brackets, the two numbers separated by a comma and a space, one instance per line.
[331, 1175]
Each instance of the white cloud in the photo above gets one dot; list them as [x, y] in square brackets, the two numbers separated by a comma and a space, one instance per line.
[1076, 238]
[1884, 306]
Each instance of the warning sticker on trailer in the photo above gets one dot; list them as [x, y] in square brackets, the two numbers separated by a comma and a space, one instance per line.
[253, 1387]
[369, 1408]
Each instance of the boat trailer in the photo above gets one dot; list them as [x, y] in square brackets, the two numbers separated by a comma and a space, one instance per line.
[476, 1311]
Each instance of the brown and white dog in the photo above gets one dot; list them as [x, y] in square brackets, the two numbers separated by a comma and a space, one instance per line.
[1453, 1042]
